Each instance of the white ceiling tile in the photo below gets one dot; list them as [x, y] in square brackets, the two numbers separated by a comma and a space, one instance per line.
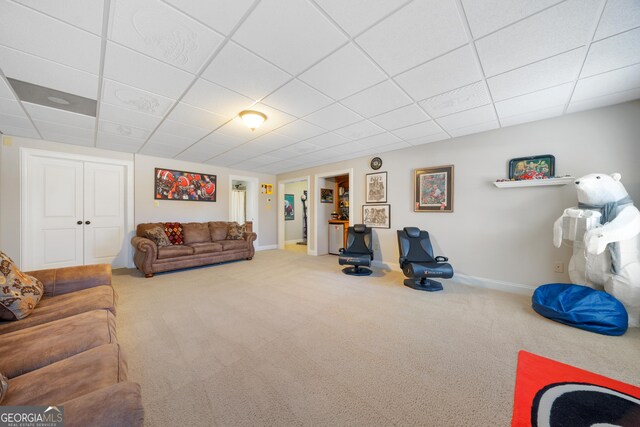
[238, 69]
[227, 158]
[540, 75]
[417, 130]
[359, 130]
[32, 32]
[155, 29]
[613, 52]
[468, 118]
[269, 142]
[197, 117]
[400, 145]
[180, 129]
[429, 138]
[464, 98]
[351, 147]
[415, 34]
[343, 73]
[618, 16]
[477, 128]
[450, 71]
[53, 115]
[32, 69]
[297, 98]
[68, 139]
[300, 130]
[122, 130]
[333, 117]
[86, 14]
[169, 140]
[299, 148]
[540, 100]
[5, 90]
[283, 154]
[19, 121]
[221, 15]
[355, 16]
[401, 117]
[607, 83]
[129, 117]
[48, 128]
[556, 30]
[216, 99]
[379, 140]
[379, 99]
[218, 139]
[160, 150]
[486, 16]
[328, 140]
[290, 33]
[201, 152]
[118, 143]
[148, 74]
[532, 116]
[10, 107]
[124, 96]
[602, 101]
[19, 131]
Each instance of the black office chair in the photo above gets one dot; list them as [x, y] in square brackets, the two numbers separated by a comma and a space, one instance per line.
[418, 263]
[358, 252]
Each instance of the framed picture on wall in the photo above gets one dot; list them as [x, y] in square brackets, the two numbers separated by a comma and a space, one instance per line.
[533, 167]
[326, 195]
[289, 214]
[376, 216]
[187, 186]
[376, 187]
[433, 189]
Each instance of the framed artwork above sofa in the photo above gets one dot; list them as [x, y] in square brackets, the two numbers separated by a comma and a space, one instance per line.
[187, 186]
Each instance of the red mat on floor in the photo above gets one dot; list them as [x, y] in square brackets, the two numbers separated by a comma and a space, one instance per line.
[550, 393]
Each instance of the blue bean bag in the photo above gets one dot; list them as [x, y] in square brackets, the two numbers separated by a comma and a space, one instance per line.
[581, 307]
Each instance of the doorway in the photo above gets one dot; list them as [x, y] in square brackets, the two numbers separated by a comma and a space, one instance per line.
[291, 214]
[243, 201]
[335, 210]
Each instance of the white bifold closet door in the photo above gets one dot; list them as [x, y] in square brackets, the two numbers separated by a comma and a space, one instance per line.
[76, 213]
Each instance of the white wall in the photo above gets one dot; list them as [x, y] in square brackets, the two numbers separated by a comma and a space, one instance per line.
[502, 234]
[293, 229]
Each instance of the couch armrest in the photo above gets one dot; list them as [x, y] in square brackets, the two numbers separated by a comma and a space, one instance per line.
[116, 405]
[250, 237]
[146, 254]
[63, 280]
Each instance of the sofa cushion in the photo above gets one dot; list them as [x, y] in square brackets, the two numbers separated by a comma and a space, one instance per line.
[19, 292]
[236, 231]
[174, 251]
[116, 405]
[142, 228]
[206, 248]
[218, 230]
[174, 232]
[69, 378]
[196, 232]
[231, 245]
[32, 348]
[4, 386]
[158, 236]
[66, 305]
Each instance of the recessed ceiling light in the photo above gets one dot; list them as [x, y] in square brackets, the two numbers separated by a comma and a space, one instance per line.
[253, 119]
[57, 100]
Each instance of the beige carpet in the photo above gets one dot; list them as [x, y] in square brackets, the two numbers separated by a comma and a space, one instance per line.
[287, 339]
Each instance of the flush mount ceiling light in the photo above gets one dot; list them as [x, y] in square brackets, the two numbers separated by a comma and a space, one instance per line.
[253, 119]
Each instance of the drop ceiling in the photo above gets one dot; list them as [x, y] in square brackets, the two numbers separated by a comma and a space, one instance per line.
[337, 79]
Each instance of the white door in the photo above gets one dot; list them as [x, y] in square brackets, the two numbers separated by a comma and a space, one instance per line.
[104, 214]
[54, 210]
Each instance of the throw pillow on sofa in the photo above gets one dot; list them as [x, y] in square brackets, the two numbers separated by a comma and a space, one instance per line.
[4, 386]
[158, 236]
[19, 292]
[174, 232]
[236, 231]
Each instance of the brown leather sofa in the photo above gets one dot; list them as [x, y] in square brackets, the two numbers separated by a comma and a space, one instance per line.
[66, 351]
[204, 243]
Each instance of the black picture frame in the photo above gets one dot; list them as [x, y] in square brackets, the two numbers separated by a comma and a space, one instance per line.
[326, 195]
[532, 167]
[376, 187]
[171, 184]
[433, 189]
[376, 216]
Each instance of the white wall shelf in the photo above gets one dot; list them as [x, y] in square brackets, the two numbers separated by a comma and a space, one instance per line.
[535, 182]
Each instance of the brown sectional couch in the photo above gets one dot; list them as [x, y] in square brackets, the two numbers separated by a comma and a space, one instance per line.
[66, 351]
[204, 243]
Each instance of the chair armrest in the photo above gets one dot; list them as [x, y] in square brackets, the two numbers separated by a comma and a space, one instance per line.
[402, 260]
[143, 244]
[441, 259]
[341, 250]
[63, 280]
[146, 254]
[249, 236]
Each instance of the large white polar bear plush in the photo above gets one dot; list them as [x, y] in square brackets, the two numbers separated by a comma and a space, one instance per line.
[609, 254]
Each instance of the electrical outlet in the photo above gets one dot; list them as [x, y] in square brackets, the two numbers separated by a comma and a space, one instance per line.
[558, 267]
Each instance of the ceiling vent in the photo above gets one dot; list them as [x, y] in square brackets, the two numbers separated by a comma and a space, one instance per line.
[28, 92]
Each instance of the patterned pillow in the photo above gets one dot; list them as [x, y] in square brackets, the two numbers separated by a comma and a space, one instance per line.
[19, 292]
[4, 385]
[236, 231]
[174, 232]
[158, 236]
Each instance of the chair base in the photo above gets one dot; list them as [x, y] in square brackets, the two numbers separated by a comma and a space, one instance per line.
[357, 271]
[423, 284]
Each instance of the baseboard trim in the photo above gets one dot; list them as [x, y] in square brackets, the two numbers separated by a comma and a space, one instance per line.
[478, 282]
[266, 248]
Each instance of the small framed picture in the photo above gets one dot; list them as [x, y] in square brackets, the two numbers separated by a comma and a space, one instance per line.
[376, 187]
[326, 195]
[289, 213]
[433, 188]
[533, 167]
[376, 216]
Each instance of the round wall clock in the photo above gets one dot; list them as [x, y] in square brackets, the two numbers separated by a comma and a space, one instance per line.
[376, 163]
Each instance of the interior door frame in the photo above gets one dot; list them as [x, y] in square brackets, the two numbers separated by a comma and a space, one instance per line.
[252, 206]
[27, 153]
[281, 224]
[316, 193]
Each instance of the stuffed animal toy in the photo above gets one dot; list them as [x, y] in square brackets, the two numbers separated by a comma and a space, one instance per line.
[608, 256]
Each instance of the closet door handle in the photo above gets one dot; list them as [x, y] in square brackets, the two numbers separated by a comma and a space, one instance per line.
[79, 222]
[87, 222]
